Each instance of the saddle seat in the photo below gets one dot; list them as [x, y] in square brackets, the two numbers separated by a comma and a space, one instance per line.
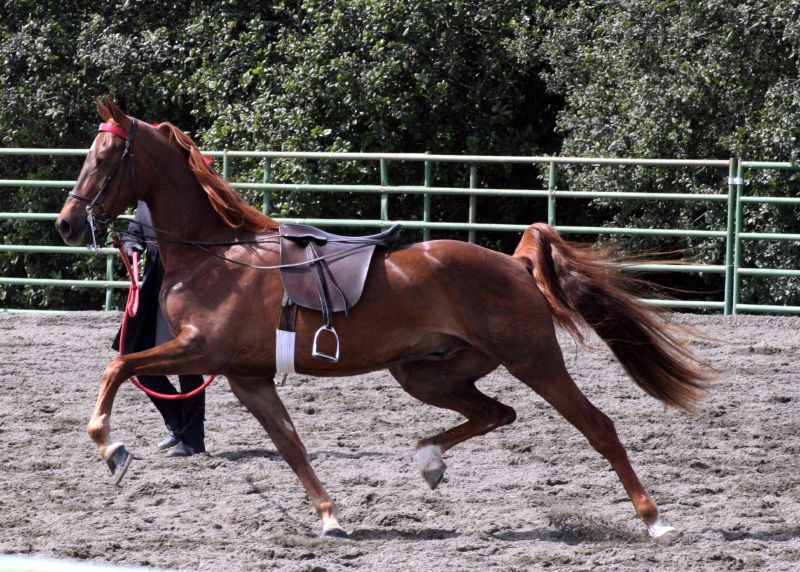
[301, 232]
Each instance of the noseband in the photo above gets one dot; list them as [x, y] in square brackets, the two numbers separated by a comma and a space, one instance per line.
[96, 215]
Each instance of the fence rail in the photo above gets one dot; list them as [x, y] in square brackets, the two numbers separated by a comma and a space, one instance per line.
[731, 197]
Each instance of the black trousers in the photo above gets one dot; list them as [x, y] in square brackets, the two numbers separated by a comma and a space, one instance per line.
[184, 417]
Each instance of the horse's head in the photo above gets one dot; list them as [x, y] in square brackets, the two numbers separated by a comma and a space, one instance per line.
[106, 185]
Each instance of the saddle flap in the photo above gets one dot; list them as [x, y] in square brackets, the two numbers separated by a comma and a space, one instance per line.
[346, 268]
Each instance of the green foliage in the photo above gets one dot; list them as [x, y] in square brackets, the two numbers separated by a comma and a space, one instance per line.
[315, 75]
[647, 78]
[401, 76]
[56, 57]
[661, 78]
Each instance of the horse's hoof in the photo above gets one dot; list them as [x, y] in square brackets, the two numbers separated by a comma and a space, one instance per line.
[431, 465]
[333, 533]
[668, 536]
[118, 462]
[433, 473]
[662, 533]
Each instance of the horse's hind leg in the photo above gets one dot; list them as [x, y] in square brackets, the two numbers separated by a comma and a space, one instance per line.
[549, 378]
[450, 384]
[261, 399]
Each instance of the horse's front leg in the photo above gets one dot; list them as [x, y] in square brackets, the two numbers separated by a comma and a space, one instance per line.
[183, 354]
[261, 399]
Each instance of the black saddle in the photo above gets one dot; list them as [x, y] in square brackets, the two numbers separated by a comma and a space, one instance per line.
[327, 272]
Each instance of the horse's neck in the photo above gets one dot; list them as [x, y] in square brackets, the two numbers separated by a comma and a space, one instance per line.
[183, 213]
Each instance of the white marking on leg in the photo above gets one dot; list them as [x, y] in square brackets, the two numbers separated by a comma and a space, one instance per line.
[288, 425]
[427, 454]
[330, 521]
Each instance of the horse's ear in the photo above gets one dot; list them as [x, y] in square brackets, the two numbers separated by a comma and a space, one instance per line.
[101, 107]
[109, 111]
[163, 128]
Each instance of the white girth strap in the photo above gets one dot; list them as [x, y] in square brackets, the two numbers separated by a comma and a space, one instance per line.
[284, 351]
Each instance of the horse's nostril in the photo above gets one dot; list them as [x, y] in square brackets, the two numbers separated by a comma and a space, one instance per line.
[63, 228]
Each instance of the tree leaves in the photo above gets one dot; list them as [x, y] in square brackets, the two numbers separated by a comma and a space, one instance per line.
[646, 78]
[708, 79]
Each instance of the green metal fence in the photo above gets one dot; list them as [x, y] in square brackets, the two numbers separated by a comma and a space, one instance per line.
[731, 197]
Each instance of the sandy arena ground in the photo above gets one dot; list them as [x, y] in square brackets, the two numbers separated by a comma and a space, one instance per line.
[531, 496]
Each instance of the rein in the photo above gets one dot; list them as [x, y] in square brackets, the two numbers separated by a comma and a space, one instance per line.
[131, 307]
[206, 247]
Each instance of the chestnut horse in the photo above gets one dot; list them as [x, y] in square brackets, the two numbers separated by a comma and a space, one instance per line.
[439, 315]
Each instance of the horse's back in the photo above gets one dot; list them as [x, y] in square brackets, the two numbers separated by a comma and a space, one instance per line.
[452, 275]
[452, 259]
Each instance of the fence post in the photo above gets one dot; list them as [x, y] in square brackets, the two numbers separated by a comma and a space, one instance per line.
[737, 243]
[384, 183]
[109, 277]
[426, 200]
[551, 198]
[265, 206]
[728, 305]
[225, 164]
[473, 200]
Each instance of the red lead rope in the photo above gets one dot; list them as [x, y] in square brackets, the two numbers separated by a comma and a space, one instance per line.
[131, 307]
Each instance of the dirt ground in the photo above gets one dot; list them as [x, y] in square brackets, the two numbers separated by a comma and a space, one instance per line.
[531, 496]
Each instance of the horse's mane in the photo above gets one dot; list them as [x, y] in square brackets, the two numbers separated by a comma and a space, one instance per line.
[233, 209]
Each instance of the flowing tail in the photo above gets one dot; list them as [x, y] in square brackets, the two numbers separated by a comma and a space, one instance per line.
[586, 287]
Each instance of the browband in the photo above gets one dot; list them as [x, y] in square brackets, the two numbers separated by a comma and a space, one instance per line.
[111, 128]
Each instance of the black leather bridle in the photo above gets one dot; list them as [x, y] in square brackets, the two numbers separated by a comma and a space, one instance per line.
[97, 216]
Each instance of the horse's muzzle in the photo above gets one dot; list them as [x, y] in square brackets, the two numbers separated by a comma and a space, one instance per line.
[72, 233]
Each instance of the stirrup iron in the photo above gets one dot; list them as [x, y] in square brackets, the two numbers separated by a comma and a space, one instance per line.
[322, 355]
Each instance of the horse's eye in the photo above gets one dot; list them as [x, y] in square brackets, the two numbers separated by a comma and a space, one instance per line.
[104, 153]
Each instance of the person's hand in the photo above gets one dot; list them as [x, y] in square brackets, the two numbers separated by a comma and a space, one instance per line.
[133, 247]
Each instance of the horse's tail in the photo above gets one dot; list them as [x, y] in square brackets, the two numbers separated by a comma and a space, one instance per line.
[584, 286]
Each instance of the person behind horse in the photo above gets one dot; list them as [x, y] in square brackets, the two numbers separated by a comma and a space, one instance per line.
[184, 418]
